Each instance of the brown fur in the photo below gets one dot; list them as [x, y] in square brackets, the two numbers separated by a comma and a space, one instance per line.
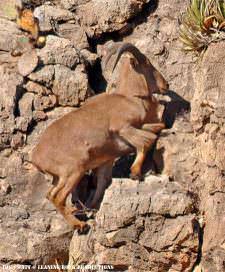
[103, 129]
[141, 64]
[136, 74]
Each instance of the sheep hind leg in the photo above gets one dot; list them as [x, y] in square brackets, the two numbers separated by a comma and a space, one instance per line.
[57, 186]
[104, 178]
[65, 187]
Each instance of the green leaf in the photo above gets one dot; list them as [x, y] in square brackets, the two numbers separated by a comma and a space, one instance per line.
[203, 23]
[222, 8]
[195, 7]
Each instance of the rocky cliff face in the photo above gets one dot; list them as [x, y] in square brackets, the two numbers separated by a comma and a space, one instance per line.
[171, 222]
[149, 226]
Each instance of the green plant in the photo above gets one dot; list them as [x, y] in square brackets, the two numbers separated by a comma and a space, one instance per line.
[202, 23]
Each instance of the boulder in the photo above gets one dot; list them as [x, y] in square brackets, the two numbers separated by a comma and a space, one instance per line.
[75, 33]
[27, 62]
[9, 38]
[42, 103]
[174, 154]
[36, 88]
[100, 16]
[8, 10]
[26, 105]
[43, 75]
[71, 87]
[31, 230]
[146, 226]
[59, 51]
[49, 16]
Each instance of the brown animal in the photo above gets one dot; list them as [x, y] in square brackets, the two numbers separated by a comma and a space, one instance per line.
[103, 174]
[103, 129]
[144, 65]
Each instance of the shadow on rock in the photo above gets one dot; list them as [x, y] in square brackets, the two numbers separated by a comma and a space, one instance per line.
[176, 106]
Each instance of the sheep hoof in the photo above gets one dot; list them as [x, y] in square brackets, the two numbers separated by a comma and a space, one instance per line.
[84, 229]
[72, 210]
[136, 177]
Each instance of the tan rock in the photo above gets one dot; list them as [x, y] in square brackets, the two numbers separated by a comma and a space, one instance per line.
[43, 76]
[107, 16]
[27, 62]
[36, 88]
[44, 102]
[71, 87]
[132, 230]
[59, 51]
[49, 16]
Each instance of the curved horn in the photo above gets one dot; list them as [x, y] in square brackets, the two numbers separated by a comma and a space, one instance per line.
[111, 51]
[128, 47]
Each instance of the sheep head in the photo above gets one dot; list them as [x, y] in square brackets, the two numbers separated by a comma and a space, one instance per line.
[137, 61]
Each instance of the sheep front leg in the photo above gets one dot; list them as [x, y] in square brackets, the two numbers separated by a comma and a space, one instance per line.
[142, 140]
[155, 127]
[136, 167]
[141, 154]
